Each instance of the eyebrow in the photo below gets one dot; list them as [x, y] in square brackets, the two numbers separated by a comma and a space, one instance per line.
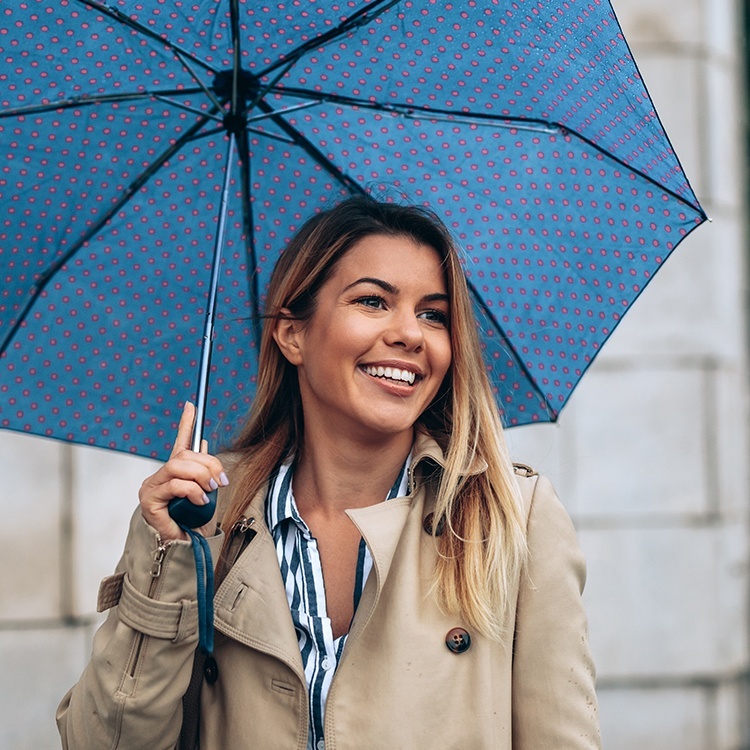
[391, 289]
[384, 285]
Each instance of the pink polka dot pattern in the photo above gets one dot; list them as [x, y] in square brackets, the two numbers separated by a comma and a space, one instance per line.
[524, 123]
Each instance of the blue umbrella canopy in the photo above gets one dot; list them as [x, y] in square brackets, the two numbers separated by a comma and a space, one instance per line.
[525, 124]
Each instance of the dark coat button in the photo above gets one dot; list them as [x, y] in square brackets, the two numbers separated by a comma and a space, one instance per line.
[458, 640]
[211, 670]
[428, 521]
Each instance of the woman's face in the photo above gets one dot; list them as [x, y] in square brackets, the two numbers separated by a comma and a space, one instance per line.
[375, 351]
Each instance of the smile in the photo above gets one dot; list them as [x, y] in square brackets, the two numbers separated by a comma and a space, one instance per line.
[391, 373]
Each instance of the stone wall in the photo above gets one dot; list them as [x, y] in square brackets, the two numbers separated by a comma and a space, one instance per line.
[649, 457]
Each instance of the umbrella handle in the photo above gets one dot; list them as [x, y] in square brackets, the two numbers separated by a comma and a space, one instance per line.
[185, 513]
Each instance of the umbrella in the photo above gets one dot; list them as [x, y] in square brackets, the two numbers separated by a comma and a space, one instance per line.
[157, 155]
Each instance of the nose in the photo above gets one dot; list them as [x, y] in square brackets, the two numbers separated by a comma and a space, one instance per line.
[405, 331]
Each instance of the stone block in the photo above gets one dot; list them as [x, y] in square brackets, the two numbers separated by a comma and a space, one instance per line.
[639, 445]
[105, 496]
[667, 603]
[39, 666]
[724, 143]
[731, 716]
[654, 719]
[723, 25]
[668, 23]
[693, 305]
[728, 436]
[545, 447]
[32, 470]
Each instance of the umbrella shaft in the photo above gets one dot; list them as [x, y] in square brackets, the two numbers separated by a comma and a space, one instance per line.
[208, 330]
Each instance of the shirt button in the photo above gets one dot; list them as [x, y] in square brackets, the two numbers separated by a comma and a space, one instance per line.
[326, 663]
[321, 745]
[458, 640]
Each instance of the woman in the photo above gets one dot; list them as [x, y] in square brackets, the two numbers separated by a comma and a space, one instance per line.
[387, 579]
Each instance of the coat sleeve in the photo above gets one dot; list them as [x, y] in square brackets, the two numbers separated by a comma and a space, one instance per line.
[554, 699]
[130, 694]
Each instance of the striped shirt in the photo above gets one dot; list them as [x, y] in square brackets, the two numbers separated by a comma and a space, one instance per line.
[301, 570]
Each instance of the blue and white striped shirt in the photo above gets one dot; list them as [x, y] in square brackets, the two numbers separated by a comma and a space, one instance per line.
[302, 572]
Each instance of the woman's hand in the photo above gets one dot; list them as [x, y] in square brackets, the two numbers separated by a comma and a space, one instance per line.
[186, 474]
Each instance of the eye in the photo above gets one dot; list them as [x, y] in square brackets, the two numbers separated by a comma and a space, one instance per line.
[371, 300]
[435, 316]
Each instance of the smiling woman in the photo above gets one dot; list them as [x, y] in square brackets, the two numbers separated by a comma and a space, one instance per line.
[379, 554]
[374, 353]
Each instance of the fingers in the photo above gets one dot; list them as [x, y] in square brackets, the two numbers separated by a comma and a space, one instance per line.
[202, 469]
[185, 429]
[186, 474]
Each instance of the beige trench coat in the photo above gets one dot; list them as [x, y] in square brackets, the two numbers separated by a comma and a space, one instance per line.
[398, 685]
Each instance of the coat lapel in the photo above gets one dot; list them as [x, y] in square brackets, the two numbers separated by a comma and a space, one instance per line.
[251, 605]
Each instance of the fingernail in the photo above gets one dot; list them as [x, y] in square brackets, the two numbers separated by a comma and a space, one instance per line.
[224, 479]
[206, 501]
[213, 484]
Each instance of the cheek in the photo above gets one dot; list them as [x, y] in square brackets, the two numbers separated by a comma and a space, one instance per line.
[355, 335]
[444, 355]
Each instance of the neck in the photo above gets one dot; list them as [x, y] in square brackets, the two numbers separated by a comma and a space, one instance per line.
[335, 474]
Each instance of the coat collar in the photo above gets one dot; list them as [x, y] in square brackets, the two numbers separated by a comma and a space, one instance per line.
[251, 604]
[427, 450]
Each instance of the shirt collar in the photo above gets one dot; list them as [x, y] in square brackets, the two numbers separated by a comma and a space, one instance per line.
[280, 505]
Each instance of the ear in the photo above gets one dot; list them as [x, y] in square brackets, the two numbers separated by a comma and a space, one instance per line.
[287, 333]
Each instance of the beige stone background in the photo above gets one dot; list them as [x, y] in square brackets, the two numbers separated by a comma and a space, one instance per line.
[650, 458]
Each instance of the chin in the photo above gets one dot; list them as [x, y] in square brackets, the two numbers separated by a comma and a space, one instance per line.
[389, 427]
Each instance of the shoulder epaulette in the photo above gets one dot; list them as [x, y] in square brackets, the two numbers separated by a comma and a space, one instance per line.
[523, 470]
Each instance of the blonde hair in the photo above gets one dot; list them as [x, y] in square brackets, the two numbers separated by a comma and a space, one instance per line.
[483, 547]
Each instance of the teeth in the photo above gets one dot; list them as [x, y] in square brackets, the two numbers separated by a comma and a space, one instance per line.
[392, 373]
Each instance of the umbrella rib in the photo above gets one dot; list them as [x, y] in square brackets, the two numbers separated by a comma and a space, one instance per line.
[362, 17]
[186, 108]
[681, 199]
[312, 150]
[263, 133]
[247, 220]
[129, 192]
[283, 111]
[234, 24]
[206, 90]
[272, 136]
[86, 100]
[413, 111]
[206, 133]
[145, 31]
[491, 315]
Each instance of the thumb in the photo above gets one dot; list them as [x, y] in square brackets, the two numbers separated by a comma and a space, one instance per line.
[185, 430]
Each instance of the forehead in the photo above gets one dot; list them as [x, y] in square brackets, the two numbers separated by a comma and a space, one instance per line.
[391, 258]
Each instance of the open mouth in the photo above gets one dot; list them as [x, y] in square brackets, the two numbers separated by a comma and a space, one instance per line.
[391, 373]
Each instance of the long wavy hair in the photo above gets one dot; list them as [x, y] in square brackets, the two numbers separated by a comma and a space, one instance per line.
[483, 545]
